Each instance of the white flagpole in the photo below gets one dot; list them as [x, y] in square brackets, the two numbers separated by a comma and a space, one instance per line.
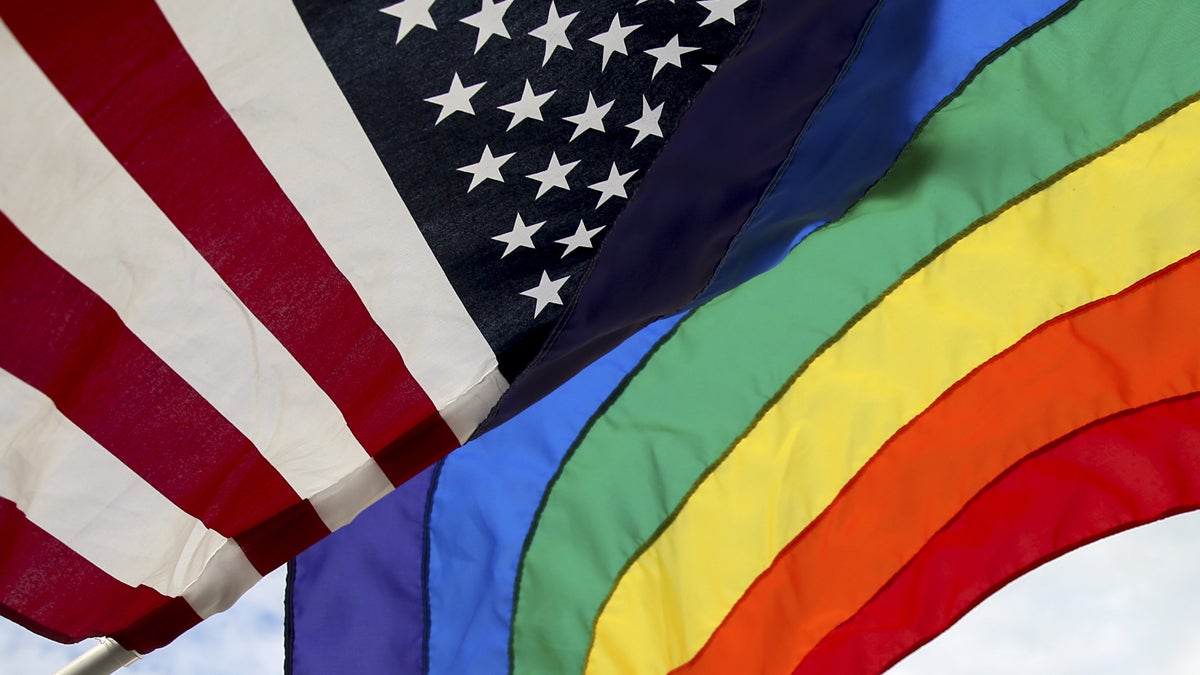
[103, 659]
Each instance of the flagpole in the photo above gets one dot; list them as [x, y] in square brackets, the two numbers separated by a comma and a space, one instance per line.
[103, 659]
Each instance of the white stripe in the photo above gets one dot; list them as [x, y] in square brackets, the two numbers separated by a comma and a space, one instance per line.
[352, 495]
[261, 63]
[64, 191]
[74, 489]
[226, 578]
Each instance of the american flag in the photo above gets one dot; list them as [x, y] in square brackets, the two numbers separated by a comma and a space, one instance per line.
[263, 262]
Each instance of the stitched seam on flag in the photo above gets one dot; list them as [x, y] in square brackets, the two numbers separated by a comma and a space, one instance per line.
[867, 309]
[1012, 42]
[1045, 449]
[426, 546]
[949, 392]
[791, 156]
[470, 390]
[573, 301]
[32, 625]
[289, 619]
[579, 438]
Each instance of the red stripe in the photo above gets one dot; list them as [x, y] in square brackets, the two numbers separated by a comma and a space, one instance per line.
[1129, 470]
[282, 537]
[123, 69]
[60, 338]
[52, 590]
[158, 628]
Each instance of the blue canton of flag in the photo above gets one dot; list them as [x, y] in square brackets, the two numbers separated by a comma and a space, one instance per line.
[516, 131]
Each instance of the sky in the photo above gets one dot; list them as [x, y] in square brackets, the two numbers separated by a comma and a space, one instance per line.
[1129, 604]
[247, 639]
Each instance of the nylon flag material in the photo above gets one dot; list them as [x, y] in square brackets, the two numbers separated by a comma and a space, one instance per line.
[976, 357]
[263, 262]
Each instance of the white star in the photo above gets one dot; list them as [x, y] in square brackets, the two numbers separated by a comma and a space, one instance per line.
[581, 239]
[412, 13]
[613, 40]
[647, 124]
[613, 186]
[487, 168]
[721, 9]
[554, 32]
[545, 293]
[489, 20]
[528, 107]
[520, 236]
[591, 118]
[555, 175]
[669, 53]
[710, 67]
[458, 99]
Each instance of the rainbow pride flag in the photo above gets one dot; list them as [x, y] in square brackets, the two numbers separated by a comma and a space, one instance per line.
[977, 354]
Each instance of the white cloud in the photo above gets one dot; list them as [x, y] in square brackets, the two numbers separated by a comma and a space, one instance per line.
[1126, 605]
[248, 638]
